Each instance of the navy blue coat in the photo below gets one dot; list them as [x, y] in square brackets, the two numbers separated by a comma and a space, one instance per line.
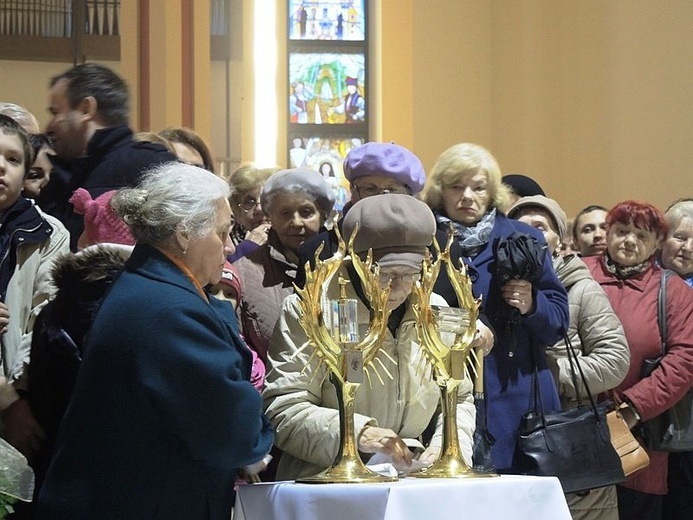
[508, 378]
[162, 414]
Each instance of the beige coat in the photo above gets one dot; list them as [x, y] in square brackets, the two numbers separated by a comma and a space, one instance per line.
[597, 336]
[303, 406]
[595, 332]
[28, 291]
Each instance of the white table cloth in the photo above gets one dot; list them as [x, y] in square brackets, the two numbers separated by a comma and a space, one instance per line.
[504, 498]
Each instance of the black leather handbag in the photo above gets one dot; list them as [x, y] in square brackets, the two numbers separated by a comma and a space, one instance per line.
[573, 445]
[673, 429]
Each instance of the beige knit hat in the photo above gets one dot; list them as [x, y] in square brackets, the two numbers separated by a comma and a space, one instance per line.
[549, 205]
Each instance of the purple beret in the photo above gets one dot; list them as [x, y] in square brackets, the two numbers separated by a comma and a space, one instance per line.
[387, 160]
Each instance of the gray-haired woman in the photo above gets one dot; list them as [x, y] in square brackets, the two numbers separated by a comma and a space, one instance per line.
[677, 248]
[162, 415]
[297, 203]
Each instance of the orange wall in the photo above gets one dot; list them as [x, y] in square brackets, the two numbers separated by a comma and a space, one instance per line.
[591, 98]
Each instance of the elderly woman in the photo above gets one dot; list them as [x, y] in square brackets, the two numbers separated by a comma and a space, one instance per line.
[297, 203]
[302, 405]
[676, 253]
[677, 248]
[630, 277]
[251, 225]
[465, 192]
[595, 333]
[162, 415]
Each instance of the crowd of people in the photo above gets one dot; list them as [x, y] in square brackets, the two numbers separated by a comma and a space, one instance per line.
[152, 347]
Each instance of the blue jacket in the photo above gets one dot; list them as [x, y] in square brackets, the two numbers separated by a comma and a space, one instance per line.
[162, 414]
[508, 377]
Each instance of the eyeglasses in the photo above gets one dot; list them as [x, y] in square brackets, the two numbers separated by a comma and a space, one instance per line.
[387, 278]
[248, 204]
[369, 190]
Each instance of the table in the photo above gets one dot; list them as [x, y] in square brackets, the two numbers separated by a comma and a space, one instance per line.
[507, 497]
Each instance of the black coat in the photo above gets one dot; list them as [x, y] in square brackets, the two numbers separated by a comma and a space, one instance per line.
[57, 341]
[113, 160]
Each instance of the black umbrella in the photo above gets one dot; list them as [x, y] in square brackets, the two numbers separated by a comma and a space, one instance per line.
[519, 257]
[483, 440]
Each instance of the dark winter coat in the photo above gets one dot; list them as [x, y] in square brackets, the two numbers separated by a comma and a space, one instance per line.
[162, 415]
[113, 160]
[57, 343]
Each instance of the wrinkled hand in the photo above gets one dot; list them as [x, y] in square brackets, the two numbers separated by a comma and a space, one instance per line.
[4, 318]
[383, 440]
[259, 234]
[250, 473]
[429, 456]
[483, 338]
[21, 429]
[518, 294]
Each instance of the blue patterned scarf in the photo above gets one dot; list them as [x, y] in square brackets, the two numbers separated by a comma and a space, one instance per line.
[472, 239]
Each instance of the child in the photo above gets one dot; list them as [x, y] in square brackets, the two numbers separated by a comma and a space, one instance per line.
[30, 241]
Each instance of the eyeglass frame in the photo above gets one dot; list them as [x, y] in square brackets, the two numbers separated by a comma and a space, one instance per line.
[404, 190]
[386, 278]
[255, 204]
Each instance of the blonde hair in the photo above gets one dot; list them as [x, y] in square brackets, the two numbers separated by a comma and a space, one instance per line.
[248, 177]
[459, 160]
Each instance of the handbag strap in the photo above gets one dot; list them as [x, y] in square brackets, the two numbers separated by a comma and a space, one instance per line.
[573, 358]
[662, 308]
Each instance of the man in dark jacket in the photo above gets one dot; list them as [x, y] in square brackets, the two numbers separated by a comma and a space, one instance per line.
[94, 147]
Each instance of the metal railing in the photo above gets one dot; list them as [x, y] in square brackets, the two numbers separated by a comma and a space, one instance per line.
[54, 18]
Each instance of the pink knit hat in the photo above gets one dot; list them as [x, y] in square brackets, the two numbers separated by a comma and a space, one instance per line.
[101, 224]
[229, 276]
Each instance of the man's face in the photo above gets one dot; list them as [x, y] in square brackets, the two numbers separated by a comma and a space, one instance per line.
[590, 231]
[68, 127]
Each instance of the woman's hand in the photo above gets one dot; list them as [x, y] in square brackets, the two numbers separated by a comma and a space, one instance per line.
[518, 294]
[383, 440]
[429, 456]
[483, 338]
[22, 430]
[4, 318]
[250, 473]
[259, 234]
